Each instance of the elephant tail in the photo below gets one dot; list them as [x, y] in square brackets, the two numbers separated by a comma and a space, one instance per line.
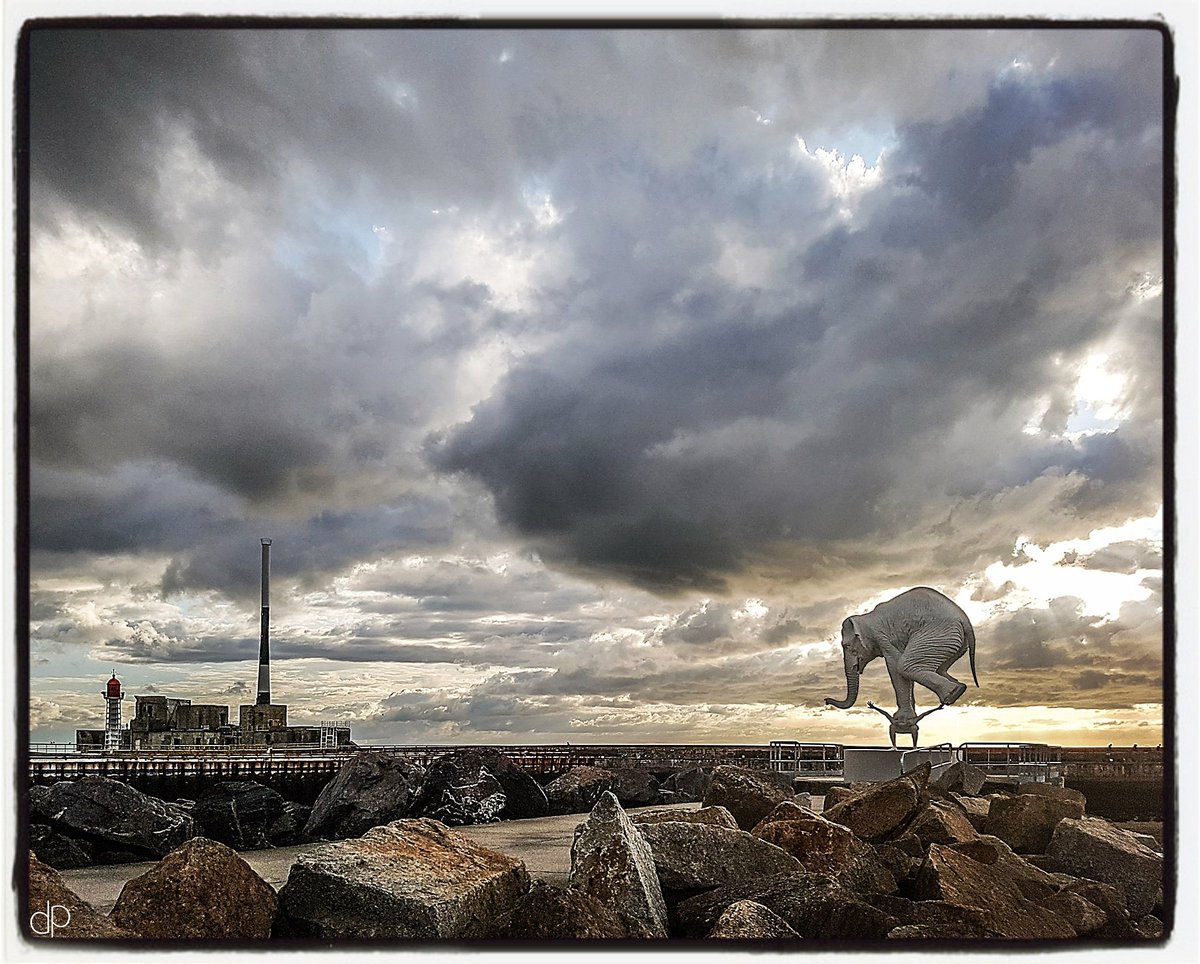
[971, 650]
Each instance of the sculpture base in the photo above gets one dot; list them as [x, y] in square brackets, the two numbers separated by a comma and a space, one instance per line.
[874, 764]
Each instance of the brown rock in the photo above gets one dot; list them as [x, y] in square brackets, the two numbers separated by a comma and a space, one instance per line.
[748, 795]
[201, 890]
[1033, 882]
[942, 823]
[884, 808]
[411, 879]
[787, 810]
[944, 920]
[1112, 902]
[577, 790]
[1084, 916]
[611, 861]
[1097, 850]
[838, 794]
[559, 913]
[747, 920]
[959, 777]
[55, 912]
[811, 904]
[694, 856]
[1149, 927]
[1026, 822]
[1052, 792]
[825, 847]
[957, 879]
[713, 816]
[976, 809]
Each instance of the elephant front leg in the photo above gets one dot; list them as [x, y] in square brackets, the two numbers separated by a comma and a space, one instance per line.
[903, 687]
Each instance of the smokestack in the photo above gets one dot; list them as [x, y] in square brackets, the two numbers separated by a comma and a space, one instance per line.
[264, 639]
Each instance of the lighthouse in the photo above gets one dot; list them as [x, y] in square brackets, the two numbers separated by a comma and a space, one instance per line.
[113, 694]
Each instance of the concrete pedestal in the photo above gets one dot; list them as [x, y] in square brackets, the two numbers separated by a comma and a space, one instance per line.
[874, 764]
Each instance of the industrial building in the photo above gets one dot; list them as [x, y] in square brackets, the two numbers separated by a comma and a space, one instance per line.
[163, 722]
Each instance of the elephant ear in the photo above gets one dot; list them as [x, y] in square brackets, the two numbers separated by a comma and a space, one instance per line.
[850, 627]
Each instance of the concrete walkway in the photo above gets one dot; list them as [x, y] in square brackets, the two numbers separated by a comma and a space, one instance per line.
[543, 843]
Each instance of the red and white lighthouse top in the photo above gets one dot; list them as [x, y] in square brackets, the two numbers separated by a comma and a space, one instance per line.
[114, 688]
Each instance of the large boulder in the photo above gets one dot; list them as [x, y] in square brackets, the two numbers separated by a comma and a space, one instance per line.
[747, 794]
[56, 911]
[813, 905]
[203, 890]
[577, 790]
[824, 847]
[239, 813]
[478, 786]
[712, 816]
[58, 850]
[408, 880]
[687, 784]
[788, 810]
[113, 816]
[611, 861]
[696, 856]
[951, 876]
[369, 790]
[959, 777]
[1032, 881]
[1026, 822]
[747, 920]
[883, 809]
[547, 912]
[1095, 849]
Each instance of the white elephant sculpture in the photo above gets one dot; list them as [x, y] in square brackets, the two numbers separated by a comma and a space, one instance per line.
[919, 634]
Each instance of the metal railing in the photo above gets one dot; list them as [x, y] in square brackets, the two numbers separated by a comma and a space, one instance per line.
[792, 756]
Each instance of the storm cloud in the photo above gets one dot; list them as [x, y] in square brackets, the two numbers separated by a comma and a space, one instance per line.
[576, 371]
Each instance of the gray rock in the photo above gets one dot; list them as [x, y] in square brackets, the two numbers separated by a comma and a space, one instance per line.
[58, 850]
[611, 861]
[1026, 822]
[1095, 849]
[410, 879]
[634, 787]
[577, 790]
[203, 890]
[239, 813]
[747, 920]
[696, 856]
[747, 794]
[115, 817]
[369, 790]
[687, 784]
[288, 827]
[713, 816]
[813, 905]
[547, 912]
[478, 786]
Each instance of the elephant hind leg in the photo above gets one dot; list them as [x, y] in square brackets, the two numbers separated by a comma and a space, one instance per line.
[926, 660]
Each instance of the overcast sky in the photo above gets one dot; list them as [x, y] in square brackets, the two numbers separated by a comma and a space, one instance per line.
[586, 380]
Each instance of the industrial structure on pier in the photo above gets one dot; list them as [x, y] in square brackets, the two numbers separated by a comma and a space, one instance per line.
[163, 722]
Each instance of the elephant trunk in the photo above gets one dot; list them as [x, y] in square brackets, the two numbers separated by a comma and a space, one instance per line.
[851, 684]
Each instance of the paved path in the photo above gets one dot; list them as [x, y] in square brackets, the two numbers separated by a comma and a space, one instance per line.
[543, 843]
